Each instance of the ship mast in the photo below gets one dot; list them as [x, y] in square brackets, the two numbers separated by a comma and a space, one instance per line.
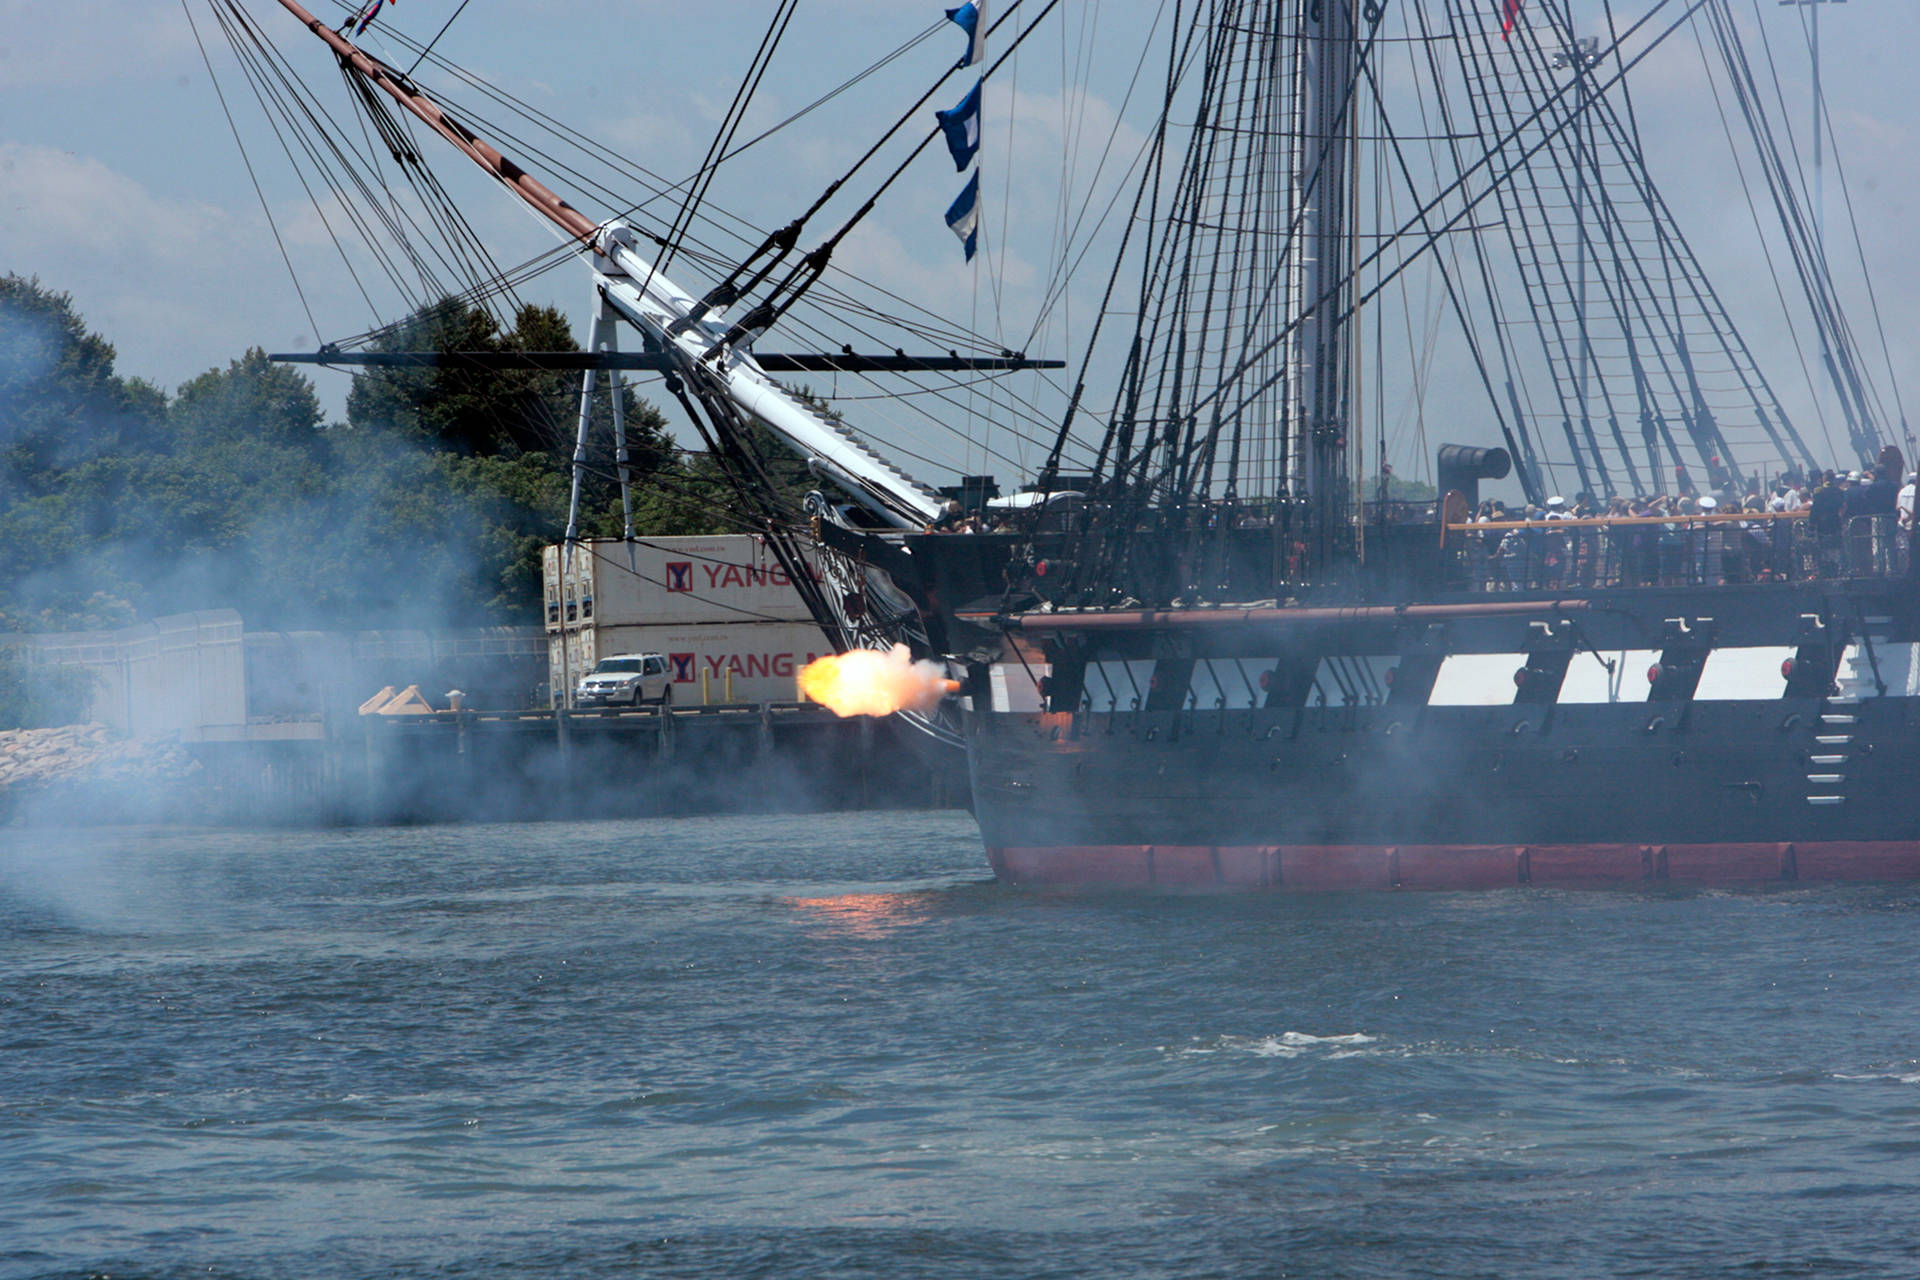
[1329, 69]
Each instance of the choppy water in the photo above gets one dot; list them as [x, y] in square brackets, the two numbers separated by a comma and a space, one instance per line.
[831, 1046]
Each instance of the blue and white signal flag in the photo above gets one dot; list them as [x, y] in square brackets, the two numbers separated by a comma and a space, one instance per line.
[963, 215]
[971, 18]
[962, 127]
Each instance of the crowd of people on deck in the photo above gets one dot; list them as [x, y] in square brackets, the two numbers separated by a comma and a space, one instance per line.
[1813, 524]
[957, 519]
[1854, 522]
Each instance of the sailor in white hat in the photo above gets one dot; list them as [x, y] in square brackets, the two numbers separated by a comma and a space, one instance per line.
[1715, 541]
[1555, 548]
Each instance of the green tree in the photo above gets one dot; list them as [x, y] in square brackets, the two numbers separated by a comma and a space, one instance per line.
[1399, 490]
[251, 402]
[512, 431]
[63, 411]
[179, 526]
[477, 410]
[429, 507]
[61, 403]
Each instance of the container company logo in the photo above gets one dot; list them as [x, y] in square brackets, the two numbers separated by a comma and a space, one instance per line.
[687, 667]
[680, 577]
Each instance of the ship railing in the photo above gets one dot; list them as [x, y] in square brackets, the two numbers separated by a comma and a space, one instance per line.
[1875, 546]
[1677, 550]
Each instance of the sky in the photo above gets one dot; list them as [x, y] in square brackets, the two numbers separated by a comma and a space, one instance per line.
[121, 182]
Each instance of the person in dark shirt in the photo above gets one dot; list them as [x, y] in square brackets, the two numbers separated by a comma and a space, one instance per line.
[1870, 541]
[1824, 509]
[1854, 494]
[1877, 494]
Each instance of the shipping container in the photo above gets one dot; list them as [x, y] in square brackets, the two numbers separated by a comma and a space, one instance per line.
[742, 662]
[550, 587]
[728, 578]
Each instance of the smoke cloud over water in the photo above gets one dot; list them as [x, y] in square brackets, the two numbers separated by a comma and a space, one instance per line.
[226, 576]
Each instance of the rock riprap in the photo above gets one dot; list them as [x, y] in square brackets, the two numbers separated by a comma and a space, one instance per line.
[88, 754]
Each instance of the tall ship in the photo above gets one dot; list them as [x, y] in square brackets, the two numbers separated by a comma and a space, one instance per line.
[1209, 640]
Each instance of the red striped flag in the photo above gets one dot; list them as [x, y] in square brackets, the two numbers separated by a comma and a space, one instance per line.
[1512, 16]
[367, 15]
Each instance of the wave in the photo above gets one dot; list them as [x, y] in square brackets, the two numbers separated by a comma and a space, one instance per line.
[1288, 1044]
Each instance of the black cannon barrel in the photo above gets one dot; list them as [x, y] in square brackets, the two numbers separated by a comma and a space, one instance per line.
[1463, 466]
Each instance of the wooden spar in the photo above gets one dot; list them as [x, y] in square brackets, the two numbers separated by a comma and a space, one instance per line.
[482, 153]
[660, 361]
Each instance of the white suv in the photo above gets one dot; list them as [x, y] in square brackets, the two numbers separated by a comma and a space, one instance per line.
[626, 677]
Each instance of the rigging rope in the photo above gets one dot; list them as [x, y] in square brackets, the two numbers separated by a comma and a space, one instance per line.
[436, 38]
[252, 177]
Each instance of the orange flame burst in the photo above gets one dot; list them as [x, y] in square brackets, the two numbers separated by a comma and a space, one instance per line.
[867, 682]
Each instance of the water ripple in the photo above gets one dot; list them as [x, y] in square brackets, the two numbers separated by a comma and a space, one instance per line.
[831, 1047]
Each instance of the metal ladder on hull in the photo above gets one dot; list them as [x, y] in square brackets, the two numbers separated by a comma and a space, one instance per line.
[1839, 717]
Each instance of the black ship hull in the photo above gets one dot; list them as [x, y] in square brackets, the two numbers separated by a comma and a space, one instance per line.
[1739, 772]
[1457, 798]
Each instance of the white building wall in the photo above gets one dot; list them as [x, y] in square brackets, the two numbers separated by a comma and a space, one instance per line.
[182, 676]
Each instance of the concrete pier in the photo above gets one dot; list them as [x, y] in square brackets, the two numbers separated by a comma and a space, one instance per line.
[765, 757]
[484, 766]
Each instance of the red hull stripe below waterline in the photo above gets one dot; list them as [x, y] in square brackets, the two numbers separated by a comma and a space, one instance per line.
[1307, 868]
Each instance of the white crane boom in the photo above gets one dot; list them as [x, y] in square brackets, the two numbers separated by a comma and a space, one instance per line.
[666, 314]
